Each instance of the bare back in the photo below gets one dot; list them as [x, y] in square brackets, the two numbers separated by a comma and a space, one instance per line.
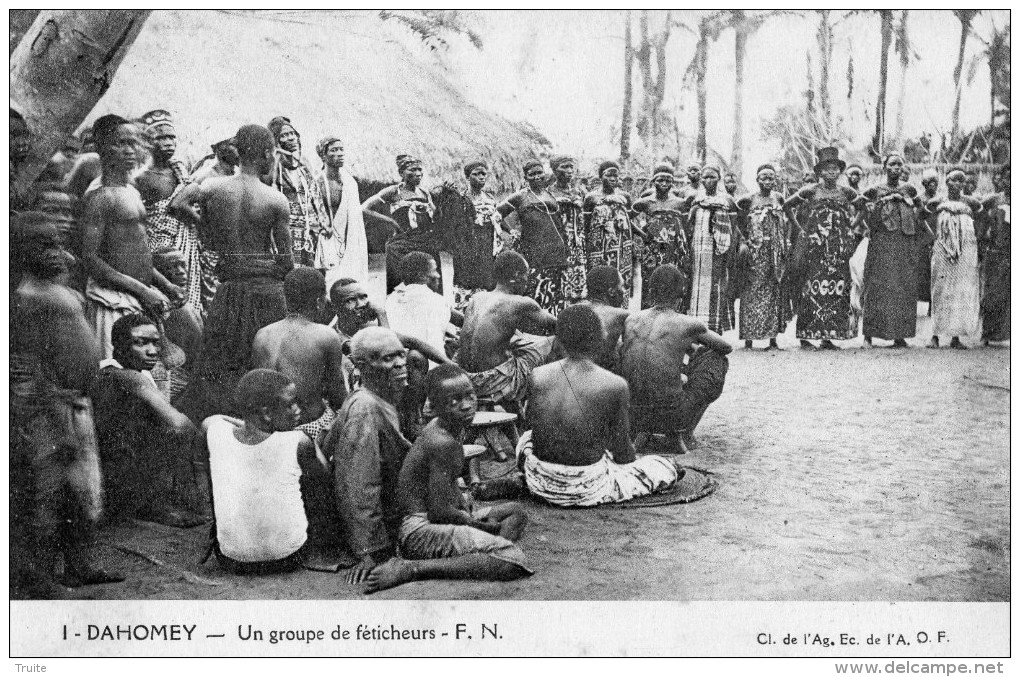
[577, 412]
[654, 344]
[613, 320]
[244, 216]
[309, 354]
[490, 322]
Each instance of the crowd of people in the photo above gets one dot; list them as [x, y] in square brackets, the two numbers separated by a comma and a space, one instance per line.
[196, 346]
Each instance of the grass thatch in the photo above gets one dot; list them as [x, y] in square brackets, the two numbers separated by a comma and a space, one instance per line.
[342, 73]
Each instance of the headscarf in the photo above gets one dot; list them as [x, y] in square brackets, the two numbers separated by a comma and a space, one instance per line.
[473, 165]
[890, 156]
[929, 174]
[663, 169]
[404, 161]
[607, 165]
[324, 144]
[713, 168]
[849, 167]
[277, 124]
[155, 119]
[531, 164]
[764, 165]
[558, 160]
[956, 169]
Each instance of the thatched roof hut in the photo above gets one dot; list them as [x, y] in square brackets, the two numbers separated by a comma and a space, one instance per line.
[333, 74]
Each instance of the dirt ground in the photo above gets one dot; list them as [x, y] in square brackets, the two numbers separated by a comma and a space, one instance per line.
[855, 475]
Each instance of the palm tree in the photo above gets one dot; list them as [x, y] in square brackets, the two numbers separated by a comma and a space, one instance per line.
[709, 27]
[628, 91]
[906, 52]
[966, 17]
[878, 141]
[824, 37]
[652, 47]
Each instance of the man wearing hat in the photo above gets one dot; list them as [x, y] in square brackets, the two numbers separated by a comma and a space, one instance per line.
[343, 243]
[293, 177]
[166, 224]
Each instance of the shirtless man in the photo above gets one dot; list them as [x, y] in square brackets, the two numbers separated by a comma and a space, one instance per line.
[606, 295]
[308, 353]
[343, 243]
[242, 219]
[654, 344]
[55, 483]
[440, 536]
[492, 351]
[115, 248]
[578, 412]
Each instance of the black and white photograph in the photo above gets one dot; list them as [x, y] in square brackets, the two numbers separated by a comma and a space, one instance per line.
[692, 315]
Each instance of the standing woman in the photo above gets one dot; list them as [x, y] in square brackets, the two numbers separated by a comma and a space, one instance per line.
[714, 242]
[541, 244]
[955, 278]
[854, 174]
[293, 177]
[570, 199]
[765, 248]
[890, 270]
[664, 224]
[824, 214]
[411, 212]
[996, 298]
[477, 237]
[609, 233]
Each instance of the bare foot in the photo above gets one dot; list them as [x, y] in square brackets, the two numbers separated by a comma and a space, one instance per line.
[867, 342]
[828, 345]
[955, 343]
[773, 345]
[689, 441]
[899, 343]
[390, 574]
[748, 345]
[934, 343]
[806, 345]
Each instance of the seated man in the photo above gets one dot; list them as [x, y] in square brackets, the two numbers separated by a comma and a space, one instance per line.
[55, 481]
[415, 308]
[182, 323]
[654, 344]
[144, 443]
[578, 450]
[498, 360]
[367, 448]
[354, 312]
[441, 537]
[606, 295]
[256, 467]
[308, 353]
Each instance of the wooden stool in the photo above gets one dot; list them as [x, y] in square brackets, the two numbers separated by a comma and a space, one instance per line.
[488, 427]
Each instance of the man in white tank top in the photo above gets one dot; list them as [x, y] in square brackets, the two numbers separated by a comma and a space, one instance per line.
[256, 466]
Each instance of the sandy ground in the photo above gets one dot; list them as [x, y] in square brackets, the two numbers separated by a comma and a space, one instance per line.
[855, 475]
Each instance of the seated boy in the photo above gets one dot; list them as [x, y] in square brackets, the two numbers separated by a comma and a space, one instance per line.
[439, 536]
[256, 466]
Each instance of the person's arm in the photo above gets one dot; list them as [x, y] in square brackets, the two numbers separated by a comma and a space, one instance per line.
[169, 418]
[171, 290]
[336, 392]
[93, 232]
[185, 205]
[442, 502]
[507, 207]
[532, 319]
[377, 207]
[281, 232]
[620, 445]
[456, 318]
[311, 463]
[412, 343]
[711, 340]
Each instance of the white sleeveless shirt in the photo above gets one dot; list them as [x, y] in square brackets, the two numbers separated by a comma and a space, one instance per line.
[260, 516]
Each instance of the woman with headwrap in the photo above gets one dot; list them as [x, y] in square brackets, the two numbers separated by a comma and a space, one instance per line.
[411, 214]
[995, 301]
[542, 243]
[609, 233]
[930, 188]
[570, 200]
[714, 242]
[293, 177]
[477, 231]
[890, 270]
[343, 243]
[825, 216]
[955, 276]
[765, 250]
[666, 240]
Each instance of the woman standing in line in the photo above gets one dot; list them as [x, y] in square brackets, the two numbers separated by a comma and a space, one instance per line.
[609, 233]
[570, 199]
[667, 240]
[996, 298]
[825, 242]
[765, 248]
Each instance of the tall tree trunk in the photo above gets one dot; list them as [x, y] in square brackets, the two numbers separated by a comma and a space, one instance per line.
[701, 54]
[824, 62]
[739, 54]
[965, 17]
[60, 70]
[901, 95]
[628, 92]
[878, 142]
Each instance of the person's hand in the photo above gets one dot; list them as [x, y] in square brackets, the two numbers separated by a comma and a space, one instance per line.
[154, 299]
[175, 293]
[450, 186]
[360, 572]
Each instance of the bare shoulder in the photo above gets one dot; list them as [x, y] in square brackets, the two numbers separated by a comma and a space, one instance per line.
[48, 297]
